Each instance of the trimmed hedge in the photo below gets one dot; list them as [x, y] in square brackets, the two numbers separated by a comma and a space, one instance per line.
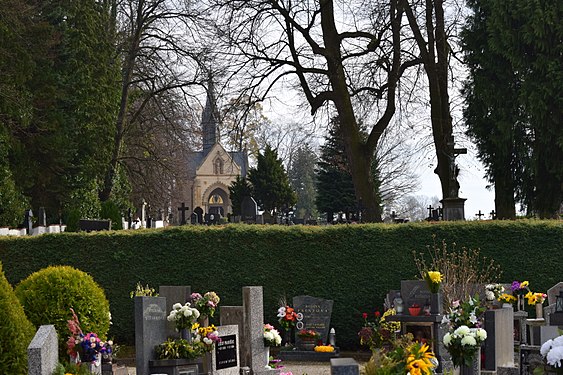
[16, 332]
[355, 265]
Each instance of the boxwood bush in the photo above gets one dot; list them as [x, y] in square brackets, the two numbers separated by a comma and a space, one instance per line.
[16, 332]
[48, 295]
[354, 265]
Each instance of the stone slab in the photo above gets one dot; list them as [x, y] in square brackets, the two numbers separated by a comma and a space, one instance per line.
[553, 292]
[253, 304]
[43, 351]
[150, 330]
[225, 359]
[344, 366]
[307, 355]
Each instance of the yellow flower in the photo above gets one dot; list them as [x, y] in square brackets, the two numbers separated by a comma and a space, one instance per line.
[524, 284]
[507, 298]
[324, 349]
[418, 360]
[435, 277]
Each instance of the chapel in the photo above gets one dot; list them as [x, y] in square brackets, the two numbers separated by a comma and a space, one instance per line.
[211, 170]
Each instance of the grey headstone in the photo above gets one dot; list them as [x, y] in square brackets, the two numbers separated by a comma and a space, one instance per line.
[344, 366]
[249, 210]
[414, 291]
[42, 218]
[316, 315]
[553, 292]
[225, 359]
[499, 345]
[173, 294]
[234, 315]
[43, 351]
[150, 329]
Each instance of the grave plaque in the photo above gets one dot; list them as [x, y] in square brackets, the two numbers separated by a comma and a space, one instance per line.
[226, 352]
[248, 210]
[315, 314]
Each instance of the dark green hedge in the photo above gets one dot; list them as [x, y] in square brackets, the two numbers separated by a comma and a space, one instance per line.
[355, 265]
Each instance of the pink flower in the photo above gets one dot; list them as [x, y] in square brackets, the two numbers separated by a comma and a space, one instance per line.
[455, 304]
[268, 326]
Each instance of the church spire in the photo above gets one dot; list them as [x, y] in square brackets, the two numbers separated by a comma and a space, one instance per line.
[210, 119]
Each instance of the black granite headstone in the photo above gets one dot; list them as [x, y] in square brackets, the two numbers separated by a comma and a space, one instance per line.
[316, 314]
[415, 291]
[248, 210]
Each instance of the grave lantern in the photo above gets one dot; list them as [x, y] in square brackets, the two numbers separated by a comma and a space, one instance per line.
[559, 303]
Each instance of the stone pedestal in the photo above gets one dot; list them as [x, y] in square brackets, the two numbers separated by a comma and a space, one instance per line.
[453, 208]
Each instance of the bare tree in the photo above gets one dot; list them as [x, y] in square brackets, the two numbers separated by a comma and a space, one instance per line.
[339, 53]
[154, 45]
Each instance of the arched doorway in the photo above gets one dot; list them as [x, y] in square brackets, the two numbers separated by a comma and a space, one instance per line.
[217, 202]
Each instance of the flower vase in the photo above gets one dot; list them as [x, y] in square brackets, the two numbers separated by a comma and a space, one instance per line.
[267, 352]
[539, 311]
[466, 370]
[436, 304]
[520, 303]
[186, 334]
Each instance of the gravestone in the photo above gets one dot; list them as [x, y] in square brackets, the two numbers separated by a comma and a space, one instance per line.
[234, 315]
[499, 345]
[553, 292]
[344, 366]
[267, 218]
[28, 221]
[316, 314]
[42, 218]
[93, 225]
[225, 359]
[43, 351]
[414, 291]
[194, 218]
[248, 210]
[174, 294]
[150, 330]
[143, 215]
[183, 210]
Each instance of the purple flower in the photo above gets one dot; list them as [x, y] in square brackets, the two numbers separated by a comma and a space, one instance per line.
[195, 296]
[515, 285]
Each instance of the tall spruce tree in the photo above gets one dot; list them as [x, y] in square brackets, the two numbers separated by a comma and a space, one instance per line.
[270, 183]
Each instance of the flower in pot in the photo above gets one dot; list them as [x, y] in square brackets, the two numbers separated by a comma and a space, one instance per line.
[308, 334]
[414, 309]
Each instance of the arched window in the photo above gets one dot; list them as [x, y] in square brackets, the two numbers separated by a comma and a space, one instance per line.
[215, 199]
[218, 166]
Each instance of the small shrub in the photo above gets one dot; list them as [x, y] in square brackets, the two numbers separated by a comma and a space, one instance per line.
[48, 295]
[16, 332]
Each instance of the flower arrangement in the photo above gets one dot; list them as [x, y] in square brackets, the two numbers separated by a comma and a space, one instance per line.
[324, 348]
[183, 316]
[433, 279]
[519, 288]
[206, 335]
[85, 348]
[287, 317]
[308, 333]
[507, 298]
[378, 330]
[205, 304]
[534, 298]
[493, 291]
[143, 291]
[552, 352]
[406, 356]
[465, 335]
[271, 336]
[180, 349]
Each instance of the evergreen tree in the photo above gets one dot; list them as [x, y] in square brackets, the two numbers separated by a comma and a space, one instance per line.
[270, 183]
[239, 189]
[301, 174]
[335, 189]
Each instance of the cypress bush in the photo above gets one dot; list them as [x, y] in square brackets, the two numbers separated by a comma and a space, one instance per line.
[16, 332]
[48, 295]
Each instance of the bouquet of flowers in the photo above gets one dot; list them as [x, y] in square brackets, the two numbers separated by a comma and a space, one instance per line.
[534, 298]
[507, 298]
[85, 348]
[465, 335]
[377, 331]
[206, 335]
[433, 279]
[183, 316]
[143, 291]
[287, 317]
[308, 333]
[519, 288]
[493, 291]
[271, 336]
[552, 351]
[205, 304]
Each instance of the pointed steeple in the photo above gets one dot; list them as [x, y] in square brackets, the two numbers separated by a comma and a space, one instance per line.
[210, 119]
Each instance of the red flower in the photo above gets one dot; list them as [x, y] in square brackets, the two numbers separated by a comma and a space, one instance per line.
[377, 314]
[365, 315]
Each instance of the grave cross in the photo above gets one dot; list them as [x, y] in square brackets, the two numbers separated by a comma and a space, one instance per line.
[393, 216]
[430, 208]
[479, 214]
[183, 210]
[493, 215]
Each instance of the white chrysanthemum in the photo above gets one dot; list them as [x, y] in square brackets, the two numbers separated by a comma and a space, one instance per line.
[489, 295]
[447, 339]
[558, 341]
[177, 306]
[187, 312]
[546, 347]
[468, 340]
[481, 334]
[278, 340]
[462, 331]
[269, 336]
[196, 313]
[207, 341]
[555, 356]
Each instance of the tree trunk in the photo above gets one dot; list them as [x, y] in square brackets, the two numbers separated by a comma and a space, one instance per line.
[504, 195]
